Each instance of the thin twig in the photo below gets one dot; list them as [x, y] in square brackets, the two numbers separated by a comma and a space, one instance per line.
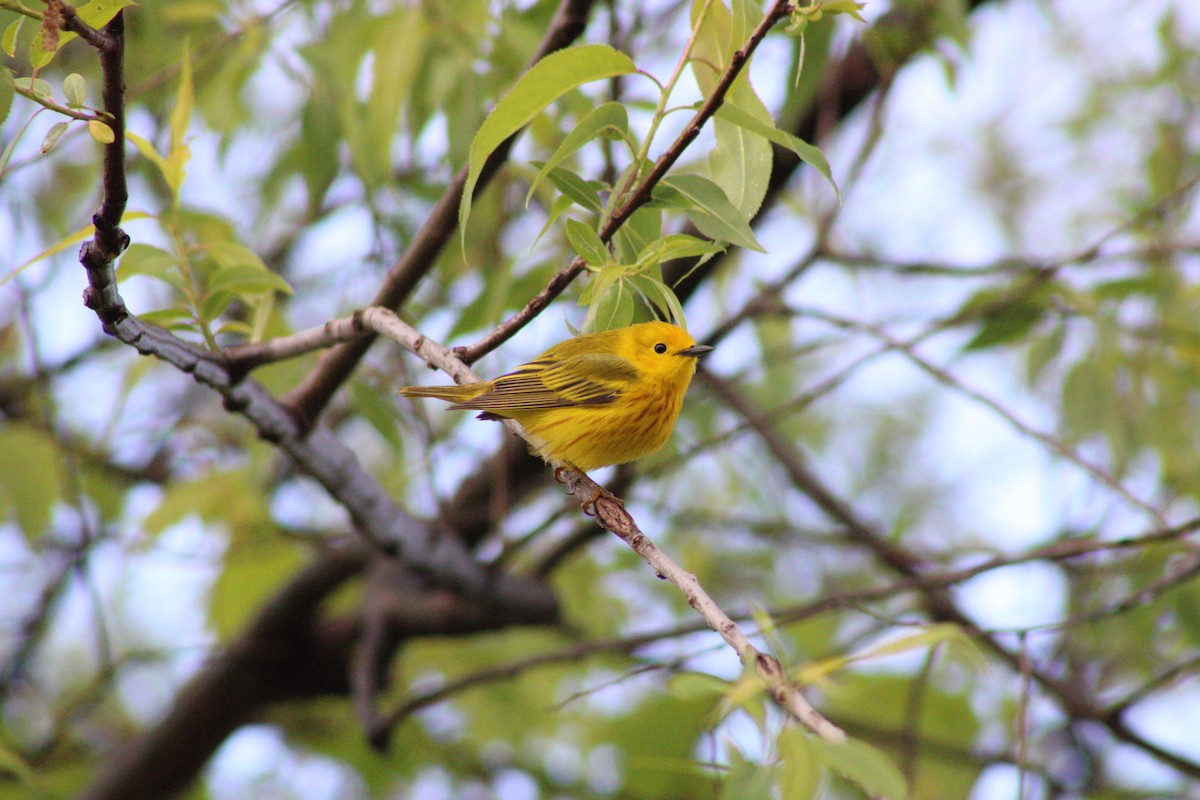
[100, 40]
[19, 8]
[49, 104]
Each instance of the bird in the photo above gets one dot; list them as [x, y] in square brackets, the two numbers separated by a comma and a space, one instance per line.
[591, 401]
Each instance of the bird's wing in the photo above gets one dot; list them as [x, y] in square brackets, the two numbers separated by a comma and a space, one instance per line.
[580, 380]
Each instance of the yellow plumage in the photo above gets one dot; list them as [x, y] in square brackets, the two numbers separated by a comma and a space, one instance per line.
[592, 401]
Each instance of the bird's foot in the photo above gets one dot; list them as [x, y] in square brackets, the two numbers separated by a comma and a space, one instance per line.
[589, 505]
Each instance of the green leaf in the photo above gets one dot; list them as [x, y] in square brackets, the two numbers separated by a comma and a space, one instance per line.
[241, 270]
[229, 254]
[677, 245]
[926, 637]
[214, 305]
[850, 7]
[587, 243]
[226, 497]
[708, 208]
[1042, 351]
[153, 262]
[263, 304]
[608, 118]
[562, 204]
[746, 780]
[254, 568]
[101, 132]
[580, 191]
[37, 86]
[809, 154]
[75, 90]
[6, 96]
[697, 686]
[923, 638]
[663, 767]
[862, 765]
[30, 476]
[644, 227]
[1086, 394]
[661, 297]
[185, 102]
[316, 150]
[613, 306]
[608, 299]
[174, 165]
[1007, 323]
[741, 162]
[401, 41]
[62, 244]
[8, 43]
[97, 14]
[236, 326]
[172, 318]
[11, 763]
[801, 775]
[53, 135]
[148, 152]
[377, 409]
[549, 79]
[243, 278]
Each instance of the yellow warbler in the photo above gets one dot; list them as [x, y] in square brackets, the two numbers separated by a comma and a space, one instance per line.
[595, 400]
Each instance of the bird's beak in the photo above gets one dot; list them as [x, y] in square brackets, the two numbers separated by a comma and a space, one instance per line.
[696, 350]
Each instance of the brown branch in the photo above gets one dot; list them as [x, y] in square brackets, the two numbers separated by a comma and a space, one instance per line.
[109, 241]
[101, 40]
[286, 652]
[313, 394]
[319, 454]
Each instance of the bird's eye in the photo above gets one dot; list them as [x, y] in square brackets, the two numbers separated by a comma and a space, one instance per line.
[660, 348]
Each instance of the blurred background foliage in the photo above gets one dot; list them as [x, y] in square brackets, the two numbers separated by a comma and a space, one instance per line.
[979, 367]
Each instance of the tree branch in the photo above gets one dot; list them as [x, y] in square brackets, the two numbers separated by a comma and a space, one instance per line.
[284, 653]
[320, 455]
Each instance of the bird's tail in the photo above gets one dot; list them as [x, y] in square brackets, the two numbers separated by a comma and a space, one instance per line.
[454, 394]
